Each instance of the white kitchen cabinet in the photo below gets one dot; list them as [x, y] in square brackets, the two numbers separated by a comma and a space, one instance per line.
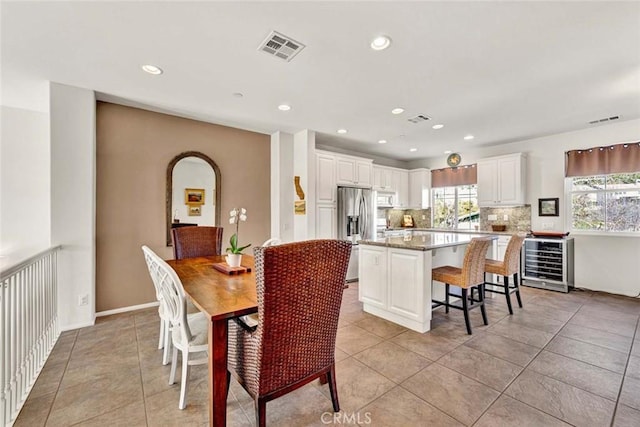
[400, 180]
[326, 221]
[406, 284]
[325, 178]
[354, 171]
[373, 271]
[419, 186]
[502, 180]
[382, 178]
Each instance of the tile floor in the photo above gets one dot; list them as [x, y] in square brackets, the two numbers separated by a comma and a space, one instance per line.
[565, 359]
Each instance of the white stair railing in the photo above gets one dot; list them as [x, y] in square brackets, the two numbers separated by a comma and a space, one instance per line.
[28, 327]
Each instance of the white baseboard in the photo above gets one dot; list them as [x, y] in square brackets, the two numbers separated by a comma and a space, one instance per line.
[125, 309]
[76, 326]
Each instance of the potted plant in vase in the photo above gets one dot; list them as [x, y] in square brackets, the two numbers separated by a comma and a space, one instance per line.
[234, 257]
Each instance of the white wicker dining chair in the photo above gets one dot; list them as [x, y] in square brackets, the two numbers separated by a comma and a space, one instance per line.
[274, 241]
[189, 332]
[164, 341]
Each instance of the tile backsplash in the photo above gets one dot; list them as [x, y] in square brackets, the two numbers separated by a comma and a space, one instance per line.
[518, 218]
[395, 217]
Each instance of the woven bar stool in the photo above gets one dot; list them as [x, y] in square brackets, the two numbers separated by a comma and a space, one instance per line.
[510, 266]
[470, 276]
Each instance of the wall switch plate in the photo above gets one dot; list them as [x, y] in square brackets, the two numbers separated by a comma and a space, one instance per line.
[83, 300]
[492, 217]
[506, 217]
[547, 225]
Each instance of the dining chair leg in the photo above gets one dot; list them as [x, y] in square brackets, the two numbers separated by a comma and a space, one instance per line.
[333, 389]
[261, 412]
[517, 279]
[507, 294]
[184, 381]
[161, 337]
[167, 343]
[228, 381]
[174, 363]
[465, 308]
[446, 297]
[482, 308]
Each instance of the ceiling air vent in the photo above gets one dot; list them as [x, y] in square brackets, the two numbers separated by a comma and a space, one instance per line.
[606, 119]
[419, 118]
[282, 46]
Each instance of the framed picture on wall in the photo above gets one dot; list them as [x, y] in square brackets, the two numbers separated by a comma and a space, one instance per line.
[195, 210]
[194, 196]
[548, 207]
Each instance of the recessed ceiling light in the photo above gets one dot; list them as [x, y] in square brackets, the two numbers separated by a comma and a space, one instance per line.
[238, 95]
[448, 152]
[380, 43]
[437, 126]
[152, 69]
[342, 131]
[284, 107]
[469, 137]
[382, 141]
[413, 149]
[397, 110]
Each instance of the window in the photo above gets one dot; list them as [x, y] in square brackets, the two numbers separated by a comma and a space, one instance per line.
[456, 207]
[608, 202]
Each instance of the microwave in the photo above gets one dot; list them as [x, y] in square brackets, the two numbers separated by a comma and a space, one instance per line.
[385, 200]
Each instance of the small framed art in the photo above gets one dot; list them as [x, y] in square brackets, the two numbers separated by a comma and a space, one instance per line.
[549, 207]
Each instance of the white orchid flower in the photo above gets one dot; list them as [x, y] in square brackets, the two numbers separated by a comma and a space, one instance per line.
[243, 217]
[243, 211]
[232, 220]
[233, 212]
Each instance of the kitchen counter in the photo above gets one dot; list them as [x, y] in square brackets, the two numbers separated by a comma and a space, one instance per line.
[447, 230]
[423, 240]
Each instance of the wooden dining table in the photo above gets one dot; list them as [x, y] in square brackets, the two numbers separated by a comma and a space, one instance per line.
[220, 297]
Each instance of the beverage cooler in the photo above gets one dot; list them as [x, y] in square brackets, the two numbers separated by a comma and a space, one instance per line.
[548, 263]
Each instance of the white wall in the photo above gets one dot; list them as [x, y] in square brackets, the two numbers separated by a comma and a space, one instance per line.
[190, 173]
[73, 160]
[281, 186]
[606, 263]
[24, 184]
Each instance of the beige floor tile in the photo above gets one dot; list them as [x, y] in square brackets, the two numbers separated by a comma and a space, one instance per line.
[451, 392]
[630, 394]
[504, 348]
[380, 327]
[508, 412]
[35, 411]
[535, 321]
[398, 407]
[579, 374]
[597, 337]
[626, 417]
[352, 339]
[430, 346]
[571, 404]
[546, 311]
[87, 400]
[132, 415]
[609, 312]
[589, 353]
[49, 379]
[394, 362]
[556, 300]
[358, 385]
[592, 320]
[482, 367]
[633, 368]
[517, 332]
[635, 351]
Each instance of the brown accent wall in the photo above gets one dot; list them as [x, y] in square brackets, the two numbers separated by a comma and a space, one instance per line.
[134, 148]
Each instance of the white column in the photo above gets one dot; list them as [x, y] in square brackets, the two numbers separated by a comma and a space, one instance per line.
[73, 167]
[281, 186]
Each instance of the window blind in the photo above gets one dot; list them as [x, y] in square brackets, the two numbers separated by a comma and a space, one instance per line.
[619, 158]
[451, 177]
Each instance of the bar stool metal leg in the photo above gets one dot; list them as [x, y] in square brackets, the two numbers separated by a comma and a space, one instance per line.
[446, 298]
[482, 309]
[465, 308]
[507, 294]
[518, 279]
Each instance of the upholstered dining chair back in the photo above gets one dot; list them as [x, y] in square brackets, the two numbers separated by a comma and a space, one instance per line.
[474, 260]
[192, 242]
[299, 290]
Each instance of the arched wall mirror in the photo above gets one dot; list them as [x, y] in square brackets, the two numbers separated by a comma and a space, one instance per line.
[193, 191]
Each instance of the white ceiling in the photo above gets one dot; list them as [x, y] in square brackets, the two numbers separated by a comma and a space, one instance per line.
[501, 71]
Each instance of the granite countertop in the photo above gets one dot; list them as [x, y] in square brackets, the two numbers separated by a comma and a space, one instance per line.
[423, 240]
[443, 230]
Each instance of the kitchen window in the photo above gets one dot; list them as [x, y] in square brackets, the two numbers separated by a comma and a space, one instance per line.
[603, 188]
[456, 207]
[608, 203]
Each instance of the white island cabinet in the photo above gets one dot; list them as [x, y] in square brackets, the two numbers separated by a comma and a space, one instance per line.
[395, 274]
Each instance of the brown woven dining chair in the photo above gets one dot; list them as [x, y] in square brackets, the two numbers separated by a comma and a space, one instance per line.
[192, 242]
[469, 276]
[299, 289]
[509, 266]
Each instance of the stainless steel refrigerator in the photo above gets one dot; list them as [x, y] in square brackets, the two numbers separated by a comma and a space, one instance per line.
[355, 221]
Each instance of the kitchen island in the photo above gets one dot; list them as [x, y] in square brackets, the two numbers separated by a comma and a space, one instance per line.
[395, 274]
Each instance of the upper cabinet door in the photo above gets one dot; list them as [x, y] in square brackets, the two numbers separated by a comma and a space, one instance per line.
[346, 170]
[363, 173]
[326, 178]
[502, 181]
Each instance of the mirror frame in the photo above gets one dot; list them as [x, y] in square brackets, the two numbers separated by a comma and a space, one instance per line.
[169, 190]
